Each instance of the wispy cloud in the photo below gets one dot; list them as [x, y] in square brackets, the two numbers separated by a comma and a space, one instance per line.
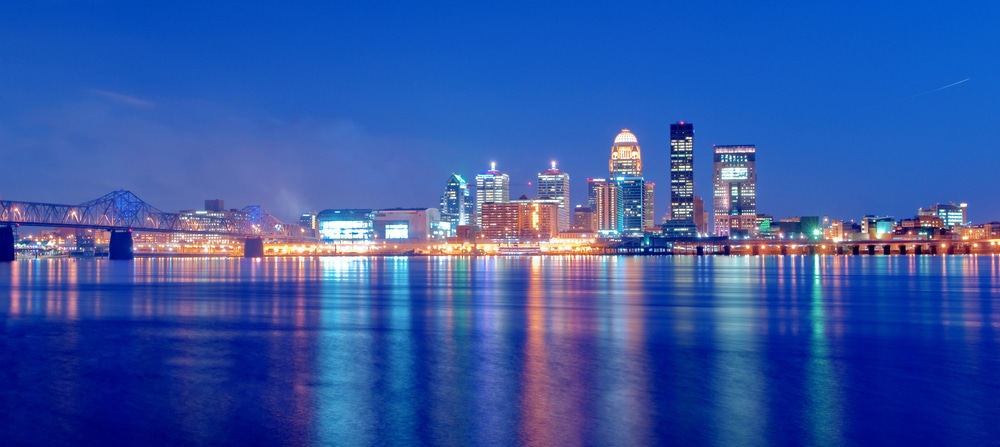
[123, 99]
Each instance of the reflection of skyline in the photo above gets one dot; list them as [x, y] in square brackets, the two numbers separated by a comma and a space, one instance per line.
[571, 350]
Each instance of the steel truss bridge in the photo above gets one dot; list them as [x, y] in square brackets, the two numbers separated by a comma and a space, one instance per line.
[122, 211]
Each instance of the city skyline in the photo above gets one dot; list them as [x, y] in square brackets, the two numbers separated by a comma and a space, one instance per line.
[363, 106]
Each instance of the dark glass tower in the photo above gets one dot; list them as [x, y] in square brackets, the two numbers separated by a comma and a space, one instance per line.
[682, 171]
[456, 203]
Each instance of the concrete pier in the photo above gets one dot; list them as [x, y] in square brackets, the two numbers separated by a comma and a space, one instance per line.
[7, 253]
[253, 247]
[121, 245]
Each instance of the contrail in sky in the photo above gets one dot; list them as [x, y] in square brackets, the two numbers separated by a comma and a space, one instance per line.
[937, 89]
[924, 93]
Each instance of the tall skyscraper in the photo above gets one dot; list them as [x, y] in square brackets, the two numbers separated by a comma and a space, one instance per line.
[626, 172]
[456, 203]
[682, 171]
[605, 203]
[554, 184]
[735, 190]
[492, 186]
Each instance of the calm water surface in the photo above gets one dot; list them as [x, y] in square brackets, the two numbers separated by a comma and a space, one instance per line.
[501, 351]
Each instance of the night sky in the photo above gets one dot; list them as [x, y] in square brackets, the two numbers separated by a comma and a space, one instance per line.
[306, 106]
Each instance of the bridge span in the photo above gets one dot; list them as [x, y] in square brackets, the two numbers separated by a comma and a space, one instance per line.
[122, 212]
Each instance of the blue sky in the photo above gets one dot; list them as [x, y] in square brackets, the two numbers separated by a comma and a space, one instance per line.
[307, 106]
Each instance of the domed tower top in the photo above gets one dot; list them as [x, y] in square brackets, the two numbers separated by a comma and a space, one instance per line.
[626, 157]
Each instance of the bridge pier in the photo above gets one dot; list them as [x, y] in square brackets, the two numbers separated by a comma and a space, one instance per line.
[902, 249]
[727, 250]
[918, 249]
[886, 249]
[784, 250]
[7, 253]
[756, 250]
[810, 250]
[933, 249]
[856, 250]
[840, 249]
[120, 246]
[253, 247]
[871, 250]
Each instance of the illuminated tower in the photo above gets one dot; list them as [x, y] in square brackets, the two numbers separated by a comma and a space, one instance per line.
[554, 184]
[735, 190]
[626, 158]
[491, 187]
[456, 202]
[626, 172]
[682, 171]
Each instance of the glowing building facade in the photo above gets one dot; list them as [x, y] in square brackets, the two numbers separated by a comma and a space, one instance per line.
[354, 226]
[735, 192]
[632, 211]
[492, 186]
[951, 215]
[554, 184]
[605, 202]
[520, 220]
[626, 156]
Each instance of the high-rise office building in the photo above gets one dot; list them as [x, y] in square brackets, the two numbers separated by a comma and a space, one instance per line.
[625, 169]
[648, 211]
[605, 203]
[492, 186]
[682, 171]
[735, 194]
[632, 195]
[554, 184]
[456, 203]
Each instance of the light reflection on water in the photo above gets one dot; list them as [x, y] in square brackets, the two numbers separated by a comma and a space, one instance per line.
[502, 351]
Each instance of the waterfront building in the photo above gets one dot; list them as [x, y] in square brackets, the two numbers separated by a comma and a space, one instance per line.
[457, 206]
[877, 227]
[951, 214]
[307, 220]
[520, 220]
[735, 192]
[308, 223]
[554, 184]
[406, 224]
[492, 186]
[700, 216]
[354, 226]
[584, 218]
[682, 171]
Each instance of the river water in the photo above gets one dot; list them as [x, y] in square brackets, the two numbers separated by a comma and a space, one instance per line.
[601, 350]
